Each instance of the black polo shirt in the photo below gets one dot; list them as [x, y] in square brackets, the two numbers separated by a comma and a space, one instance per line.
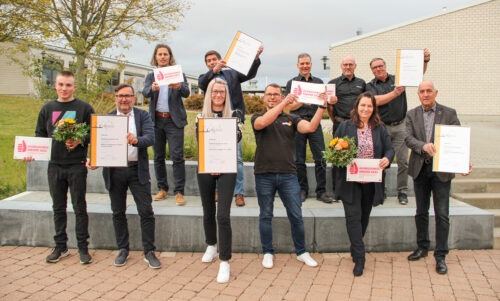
[275, 151]
[395, 110]
[346, 91]
[306, 110]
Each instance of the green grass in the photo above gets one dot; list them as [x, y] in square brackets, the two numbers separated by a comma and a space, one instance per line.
[18, 118]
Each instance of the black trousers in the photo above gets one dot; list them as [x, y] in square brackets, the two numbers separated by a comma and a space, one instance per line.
[427, 182]
[60, 179]
[357, 216]
[225, 187]
[123, 178]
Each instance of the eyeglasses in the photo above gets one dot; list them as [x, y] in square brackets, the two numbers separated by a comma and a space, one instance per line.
[126, 96]
[378, 67]
[272, 94]
[218, 92]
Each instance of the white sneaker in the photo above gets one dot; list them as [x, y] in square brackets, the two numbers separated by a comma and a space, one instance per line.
[307, 259]
[267, 262]
[210, 254]
[224, 271]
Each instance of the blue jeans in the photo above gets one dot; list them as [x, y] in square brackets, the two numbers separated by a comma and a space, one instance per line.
[424, 184]
[240, 176]
[317, 144]
[288, 189]
[167, 132]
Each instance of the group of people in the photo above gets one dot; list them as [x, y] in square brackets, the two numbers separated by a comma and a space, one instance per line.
[374, 114]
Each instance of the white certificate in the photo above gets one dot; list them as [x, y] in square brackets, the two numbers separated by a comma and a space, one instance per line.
[364, 170]
[217, 145]
[409, 67]
[309, 92]
[242, 52]
[108, 140]
[36, 147]
[168, 75]
[452, 144]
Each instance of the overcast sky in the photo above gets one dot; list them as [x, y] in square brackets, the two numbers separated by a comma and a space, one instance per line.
[286, 28]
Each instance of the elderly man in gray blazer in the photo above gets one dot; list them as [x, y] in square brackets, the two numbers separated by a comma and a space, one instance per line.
[420, 123]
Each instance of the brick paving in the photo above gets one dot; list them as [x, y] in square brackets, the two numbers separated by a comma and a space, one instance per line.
[24, 275]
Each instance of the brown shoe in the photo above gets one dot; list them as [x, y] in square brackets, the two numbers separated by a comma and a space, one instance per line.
[161, 195]
[179, 200]
[240, 200]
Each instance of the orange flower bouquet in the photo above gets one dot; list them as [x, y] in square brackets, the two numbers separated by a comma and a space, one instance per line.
[69, 129]
[341, 151]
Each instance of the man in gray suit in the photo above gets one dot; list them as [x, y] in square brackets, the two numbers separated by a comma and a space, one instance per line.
[420, 123]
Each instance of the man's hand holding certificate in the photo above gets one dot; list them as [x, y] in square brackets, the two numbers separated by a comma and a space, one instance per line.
[35, 148]
[165, 76]
[310, 92]
[242, 52]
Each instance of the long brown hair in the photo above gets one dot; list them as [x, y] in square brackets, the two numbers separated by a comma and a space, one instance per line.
[172, 59]
[374, 120]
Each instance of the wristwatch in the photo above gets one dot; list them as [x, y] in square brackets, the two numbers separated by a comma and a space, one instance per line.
[321, 106]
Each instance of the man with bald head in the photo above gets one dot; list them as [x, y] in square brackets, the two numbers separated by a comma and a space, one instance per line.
[420, 123]
[347, 88]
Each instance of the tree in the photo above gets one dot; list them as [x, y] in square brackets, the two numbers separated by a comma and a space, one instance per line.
[90, 27]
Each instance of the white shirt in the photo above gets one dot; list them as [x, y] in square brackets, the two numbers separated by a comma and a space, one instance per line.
[133, 152]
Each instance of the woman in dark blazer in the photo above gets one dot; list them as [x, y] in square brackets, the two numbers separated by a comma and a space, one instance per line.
[373, 142]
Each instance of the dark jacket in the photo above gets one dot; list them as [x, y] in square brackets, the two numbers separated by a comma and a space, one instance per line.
[234, 80]
[415, 137]
[146, 138]
[382, 147]
[175, 104]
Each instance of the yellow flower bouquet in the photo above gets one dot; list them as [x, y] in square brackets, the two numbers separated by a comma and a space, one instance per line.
[341, 151]
[68, 129]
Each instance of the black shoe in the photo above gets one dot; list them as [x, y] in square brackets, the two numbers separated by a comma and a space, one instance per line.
[441, 267]
[303, 196]
[121, 258]
[402, 198]
[324, 198]
[57, 254]
[335, 198]
[151, 259]
[417, 254]
[85, 257]
[359, 266]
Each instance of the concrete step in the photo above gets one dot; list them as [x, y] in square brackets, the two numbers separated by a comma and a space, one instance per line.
[481, 200]
[482, 172]
[472, 185]
[496, 238]
[496, 214]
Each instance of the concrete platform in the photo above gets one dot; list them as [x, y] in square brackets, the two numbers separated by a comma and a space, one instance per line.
[26, 219]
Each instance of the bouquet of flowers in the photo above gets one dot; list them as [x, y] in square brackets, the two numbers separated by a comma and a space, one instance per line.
[69, 129]
[341, 151]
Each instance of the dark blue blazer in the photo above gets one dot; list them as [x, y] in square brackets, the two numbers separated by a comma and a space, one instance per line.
[234, 80]
[146, 138]
[382, 147]
[175, 104]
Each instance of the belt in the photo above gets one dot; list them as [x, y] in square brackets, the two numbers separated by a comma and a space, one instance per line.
[132, 163]
[340, 119]
[164, 115]
[395, 123]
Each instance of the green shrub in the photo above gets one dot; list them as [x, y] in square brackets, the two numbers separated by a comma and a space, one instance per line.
[194, 102]
[253, 103]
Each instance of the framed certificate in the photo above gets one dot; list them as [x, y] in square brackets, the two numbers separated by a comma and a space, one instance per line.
[452, 144]
[108, 140]
[38, 148]
[217, 145]
[242, 52]
[168, 75]
[409, 67]
[309, 92]
[364, 170]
